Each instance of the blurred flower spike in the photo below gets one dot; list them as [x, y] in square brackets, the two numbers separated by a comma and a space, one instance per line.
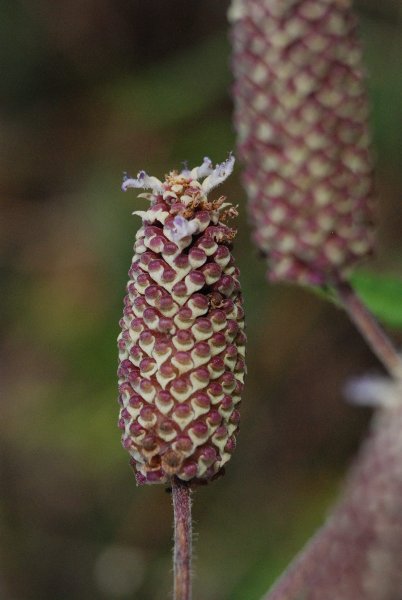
[182, 341]
[302, 123]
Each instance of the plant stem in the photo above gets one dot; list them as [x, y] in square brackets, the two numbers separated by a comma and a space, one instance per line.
[370, 329]
[182, 539]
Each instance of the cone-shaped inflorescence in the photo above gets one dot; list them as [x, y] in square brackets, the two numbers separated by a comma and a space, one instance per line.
[181, 363]
[301, 118]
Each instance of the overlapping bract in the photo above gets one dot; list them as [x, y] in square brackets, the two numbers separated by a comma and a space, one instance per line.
[181, 361]
[301, 118]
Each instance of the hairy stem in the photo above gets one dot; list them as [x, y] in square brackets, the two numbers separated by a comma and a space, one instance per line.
[182, 539]
[370, 329]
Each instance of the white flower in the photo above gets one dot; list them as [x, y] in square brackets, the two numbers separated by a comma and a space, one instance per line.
[182, 228]
[203, 170]
[374, 391]
[213, 177]
[218, 175]
[143, 181]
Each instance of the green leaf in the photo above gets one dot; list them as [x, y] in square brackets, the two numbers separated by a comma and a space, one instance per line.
[382, 294]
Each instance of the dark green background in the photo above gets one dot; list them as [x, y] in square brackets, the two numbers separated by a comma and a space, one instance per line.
[88, 89]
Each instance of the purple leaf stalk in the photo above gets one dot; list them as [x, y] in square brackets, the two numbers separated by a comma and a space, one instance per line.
[302, 123]
[182, 342]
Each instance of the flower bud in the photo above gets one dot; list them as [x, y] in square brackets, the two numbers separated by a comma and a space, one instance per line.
[181, 346]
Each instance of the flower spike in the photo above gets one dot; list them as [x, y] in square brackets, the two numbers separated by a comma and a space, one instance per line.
[302, 129]
[181, 346]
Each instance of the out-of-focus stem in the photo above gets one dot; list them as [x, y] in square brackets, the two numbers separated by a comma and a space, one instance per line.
[370, 329]
[182, 539]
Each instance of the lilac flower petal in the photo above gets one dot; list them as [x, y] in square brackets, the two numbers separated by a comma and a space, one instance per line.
[218, 175]
[185, 170]
[182, 228]
[370, 390]
[143, 181]
[203, 170]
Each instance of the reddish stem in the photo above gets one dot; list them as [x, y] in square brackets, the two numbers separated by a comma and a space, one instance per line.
[182, 539]
[370, 329]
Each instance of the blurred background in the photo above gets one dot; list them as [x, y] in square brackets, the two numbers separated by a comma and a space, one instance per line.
[89, 89]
